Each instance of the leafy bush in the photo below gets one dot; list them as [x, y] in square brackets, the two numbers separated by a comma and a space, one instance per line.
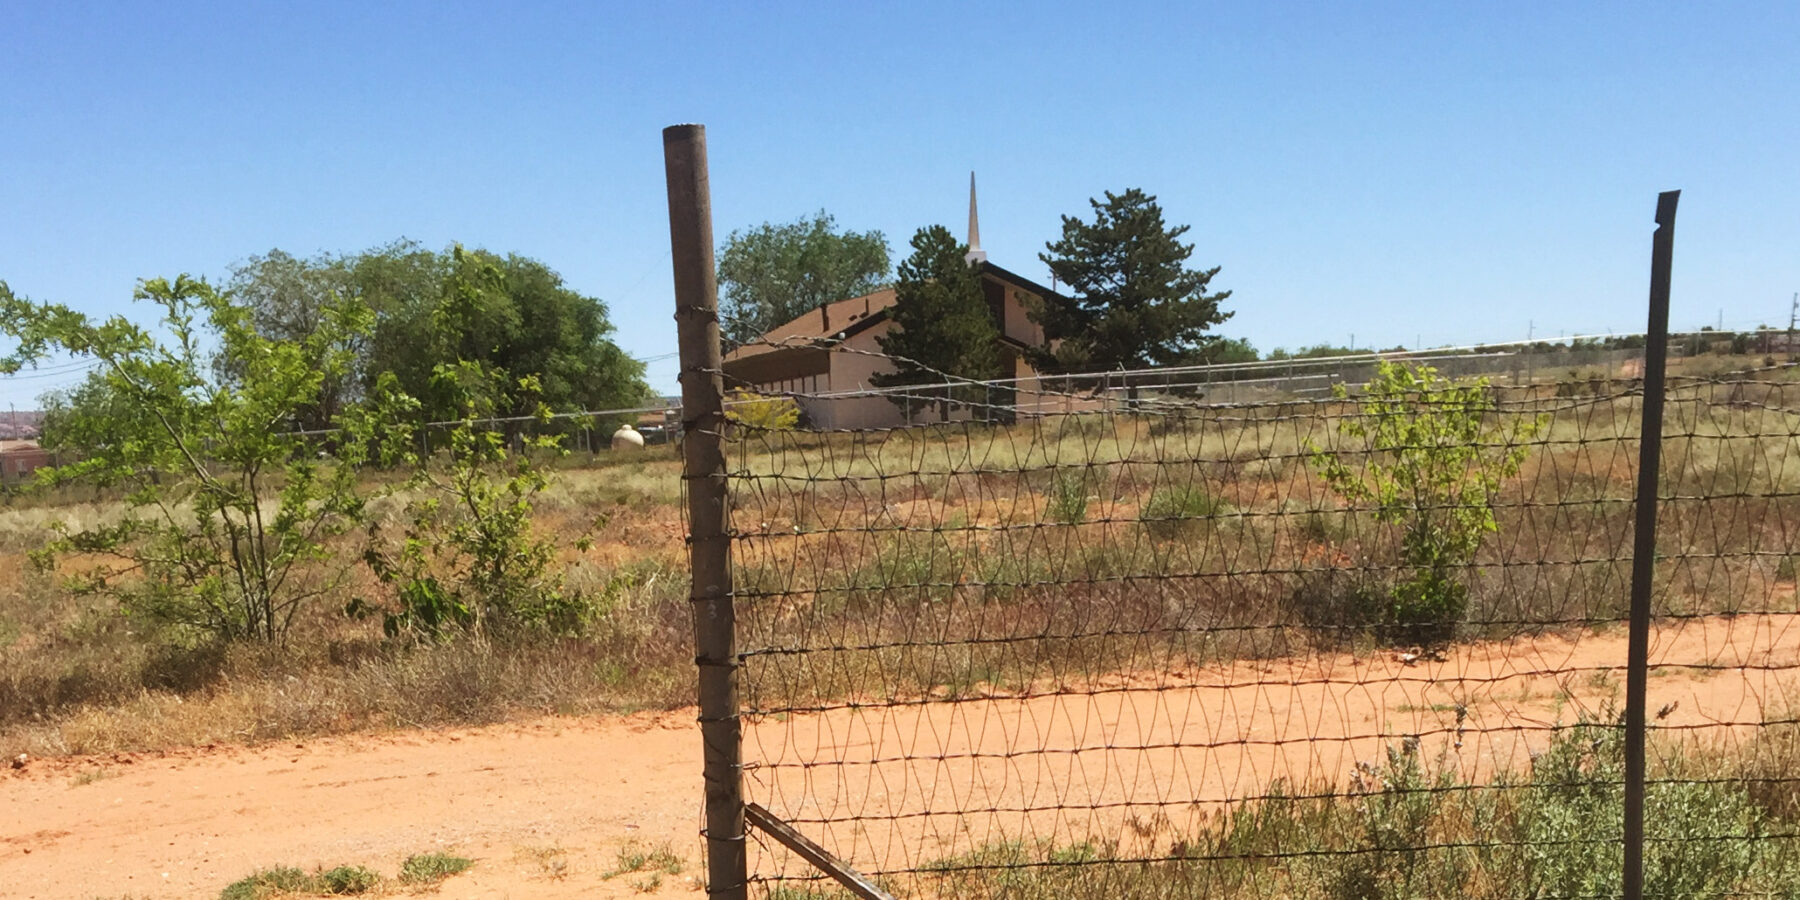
[762, 413]
[199, 442]
[347, 880]
[467, 557]
[1429, 454]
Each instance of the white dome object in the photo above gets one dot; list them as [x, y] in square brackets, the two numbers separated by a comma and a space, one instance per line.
[627, 438]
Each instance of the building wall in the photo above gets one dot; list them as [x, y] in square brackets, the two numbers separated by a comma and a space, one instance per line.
[852, 371]
[18, 462]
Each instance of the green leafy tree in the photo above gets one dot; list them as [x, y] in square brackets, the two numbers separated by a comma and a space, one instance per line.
[516, 318]
[942, 325]
[1227, 351]
[1134, 302]
[1316, 351]
[287, 296]
[227, 511]
[512, 314]
[772, 274]
[1428, 454]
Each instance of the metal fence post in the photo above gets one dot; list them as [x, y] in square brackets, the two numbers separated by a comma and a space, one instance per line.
[703, 476]
[1643, 554]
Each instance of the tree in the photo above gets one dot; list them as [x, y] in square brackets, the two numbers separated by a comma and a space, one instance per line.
[942, 325]
[514, 316]
[224, 505]
[511, 313]
[1427, 453]
[772, 274]
[286, 296]
[1135, 302]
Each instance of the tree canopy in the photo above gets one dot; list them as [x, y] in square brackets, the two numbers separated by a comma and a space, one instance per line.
[1135, 302]
[941, 320]
[772, 274]
[511, 314]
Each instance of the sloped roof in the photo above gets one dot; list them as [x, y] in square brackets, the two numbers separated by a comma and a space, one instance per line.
[844, 318]
[838, 321]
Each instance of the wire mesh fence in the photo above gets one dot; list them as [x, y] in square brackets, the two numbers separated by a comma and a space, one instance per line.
[1361, 644]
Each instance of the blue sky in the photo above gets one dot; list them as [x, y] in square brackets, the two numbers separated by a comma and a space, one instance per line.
[1437, 172]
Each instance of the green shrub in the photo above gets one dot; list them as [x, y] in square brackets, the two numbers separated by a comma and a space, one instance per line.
[761, 413]
[228, 508]
[1175, 510]
[1409, 827]
[1068, 496]
[1428, 454]
[347, 880]
[467, 557]
[430, 868]
[268, 883]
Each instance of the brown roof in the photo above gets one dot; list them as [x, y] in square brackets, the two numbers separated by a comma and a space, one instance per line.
[844, 318]
[836, 321]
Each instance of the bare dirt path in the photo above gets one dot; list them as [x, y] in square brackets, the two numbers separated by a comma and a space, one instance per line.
[545, 806]
[541, 807]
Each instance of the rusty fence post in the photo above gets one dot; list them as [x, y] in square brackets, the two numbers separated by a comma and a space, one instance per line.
[1643, 553]
[703, 479]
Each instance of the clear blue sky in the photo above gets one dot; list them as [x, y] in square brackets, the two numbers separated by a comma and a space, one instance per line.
[1444, 172]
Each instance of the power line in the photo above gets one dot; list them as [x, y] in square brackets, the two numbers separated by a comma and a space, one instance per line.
[37, 374]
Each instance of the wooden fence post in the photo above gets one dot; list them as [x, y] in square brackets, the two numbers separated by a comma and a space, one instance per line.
[703, 477]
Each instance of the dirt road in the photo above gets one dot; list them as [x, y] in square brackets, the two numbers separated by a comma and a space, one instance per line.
[544, 807]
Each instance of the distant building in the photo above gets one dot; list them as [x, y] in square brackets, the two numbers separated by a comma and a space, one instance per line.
[18, 459]
[833, 350]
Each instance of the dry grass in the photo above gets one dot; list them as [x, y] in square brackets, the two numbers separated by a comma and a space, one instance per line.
[960, 532]
[77, 676]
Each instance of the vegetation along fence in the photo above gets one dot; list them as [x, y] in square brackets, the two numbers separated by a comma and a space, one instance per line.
[1377, 642]
[1369, 645]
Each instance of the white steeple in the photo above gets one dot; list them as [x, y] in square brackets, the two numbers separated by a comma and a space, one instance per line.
[976, 254]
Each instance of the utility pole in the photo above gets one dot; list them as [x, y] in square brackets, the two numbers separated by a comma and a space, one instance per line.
[1791, 311]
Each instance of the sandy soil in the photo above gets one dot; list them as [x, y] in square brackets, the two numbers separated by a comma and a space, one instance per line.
[545, 806]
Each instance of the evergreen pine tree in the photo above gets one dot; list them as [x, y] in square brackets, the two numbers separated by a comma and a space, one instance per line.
[942, 325]
[1135, 302]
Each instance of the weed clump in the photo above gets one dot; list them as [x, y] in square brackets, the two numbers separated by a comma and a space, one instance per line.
[431, 868]
[1177, 510]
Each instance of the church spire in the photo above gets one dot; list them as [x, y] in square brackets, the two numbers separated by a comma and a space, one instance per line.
[976, 254]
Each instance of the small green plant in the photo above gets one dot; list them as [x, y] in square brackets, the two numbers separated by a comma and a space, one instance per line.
[1174, 510]
[1427, 453]
[269, 883]
[1068, 496]
[658, 860]
[761, 413]
[431, 868]
[348, 880]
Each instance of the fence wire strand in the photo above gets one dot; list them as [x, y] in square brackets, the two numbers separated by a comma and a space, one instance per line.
[1061, 644]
